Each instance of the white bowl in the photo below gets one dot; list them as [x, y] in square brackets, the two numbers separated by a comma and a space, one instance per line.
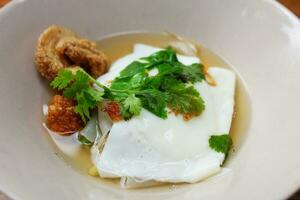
[260, 38]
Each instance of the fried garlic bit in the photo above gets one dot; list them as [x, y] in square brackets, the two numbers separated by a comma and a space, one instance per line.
[62, 117]
[59, 48]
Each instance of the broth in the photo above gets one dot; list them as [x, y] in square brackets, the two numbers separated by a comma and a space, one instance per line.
[119, 45]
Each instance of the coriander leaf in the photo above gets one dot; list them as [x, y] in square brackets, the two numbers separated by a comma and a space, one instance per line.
[137, 80]
[125, 113]
[83, 140]
[64, 77]
[154, 101]
[168, 68]
[133, 104]
[121, 84]
[167, 54]
[82, 78]
[80, 82]
[107, 94]
[132, 69]
[191, 73]
[119, 96]
[220, 143]
[83, 106]
[94, 95]
[183, 99]
[78, 86]
[70, 92]
[153, 82]
[129, 83]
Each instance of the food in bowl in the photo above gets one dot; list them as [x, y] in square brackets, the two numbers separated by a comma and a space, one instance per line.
[154, 115]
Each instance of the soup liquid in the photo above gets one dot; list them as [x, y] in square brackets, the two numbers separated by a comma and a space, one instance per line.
[118, 46]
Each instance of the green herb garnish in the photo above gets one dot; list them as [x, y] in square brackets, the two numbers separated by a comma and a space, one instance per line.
[83, 140]
[78, 86]
[220, 143]
[134, 89]
[171, 87]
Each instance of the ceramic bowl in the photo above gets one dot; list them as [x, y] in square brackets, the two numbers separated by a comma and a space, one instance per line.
[259, 37]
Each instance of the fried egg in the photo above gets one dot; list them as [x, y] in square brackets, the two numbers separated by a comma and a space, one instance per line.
[147, 148]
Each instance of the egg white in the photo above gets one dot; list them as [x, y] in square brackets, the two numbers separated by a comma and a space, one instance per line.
[147, 148]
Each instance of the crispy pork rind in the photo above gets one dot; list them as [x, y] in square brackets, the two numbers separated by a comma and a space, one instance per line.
[62, 117]
[84, 53]
[59, 48]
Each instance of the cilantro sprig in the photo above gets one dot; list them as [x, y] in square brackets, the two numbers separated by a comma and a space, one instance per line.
[77, 85]
[134, 89]
[84, 140]
[220, 143]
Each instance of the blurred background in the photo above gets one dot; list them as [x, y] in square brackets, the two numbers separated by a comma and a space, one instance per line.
[293, 5]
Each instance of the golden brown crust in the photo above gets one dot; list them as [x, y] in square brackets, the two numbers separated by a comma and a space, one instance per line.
[84, 53]
[48, 60]
[61, 116]
[59, 47]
